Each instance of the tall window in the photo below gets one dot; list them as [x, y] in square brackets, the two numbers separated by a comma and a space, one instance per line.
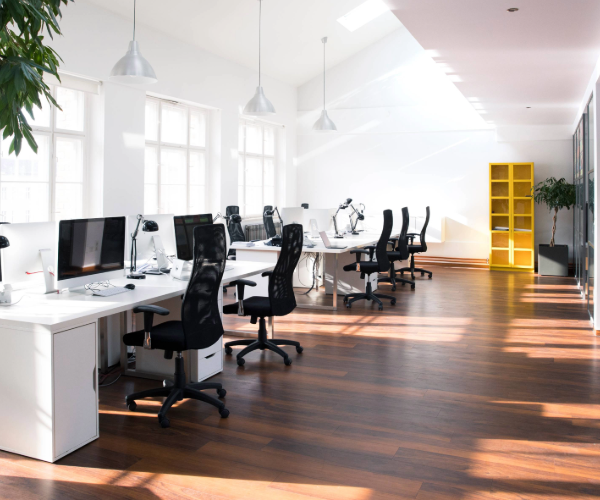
[48, 185]
[256, 167]
[175, 174]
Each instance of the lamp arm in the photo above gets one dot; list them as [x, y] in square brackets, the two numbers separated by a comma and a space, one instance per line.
[279, 216]
[133, 256]
[218, 216]
[335, 221]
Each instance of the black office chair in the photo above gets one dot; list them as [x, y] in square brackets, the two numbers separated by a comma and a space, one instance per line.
[236, 232]
[268, 223]
[280, 302]
[381, 265]
[399, 253]
[200, 326]
[420, 248]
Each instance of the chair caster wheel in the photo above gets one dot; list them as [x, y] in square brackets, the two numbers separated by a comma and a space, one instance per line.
[348, 305]
[228, 350]
[430, 276]
[345, 300]
[394, 288]
[132, 406]
[403, 283]
[299, 349]
[287, 361]
[412, 287]
[224, 413]
[164, 422]
[393, 302]
[380, 308]
[422, 274]
[241, 361]
[221, 393]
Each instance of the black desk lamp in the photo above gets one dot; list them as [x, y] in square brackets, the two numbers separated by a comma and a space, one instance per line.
[272, 212]
[359, 216]
[148, 226]
[343, 206]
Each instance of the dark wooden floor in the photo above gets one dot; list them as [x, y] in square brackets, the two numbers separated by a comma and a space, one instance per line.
[477, 385]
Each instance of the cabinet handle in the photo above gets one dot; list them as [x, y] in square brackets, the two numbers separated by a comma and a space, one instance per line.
[210, 355]
[94, 378]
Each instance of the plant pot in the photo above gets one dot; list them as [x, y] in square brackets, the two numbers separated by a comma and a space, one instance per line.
[553, 261]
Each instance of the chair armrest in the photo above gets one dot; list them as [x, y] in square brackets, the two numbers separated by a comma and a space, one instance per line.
[267, 273]
[240, 285]
[359, 251]
[149, 312]
[413, 235]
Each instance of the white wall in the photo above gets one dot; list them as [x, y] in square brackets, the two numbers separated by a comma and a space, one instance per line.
[407, 137]
[92, 42]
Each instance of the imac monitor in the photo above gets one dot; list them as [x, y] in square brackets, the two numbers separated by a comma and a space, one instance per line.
[90, 248]
[184, 233]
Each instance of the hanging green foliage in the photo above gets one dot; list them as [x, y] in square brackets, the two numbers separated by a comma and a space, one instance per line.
[23, 60]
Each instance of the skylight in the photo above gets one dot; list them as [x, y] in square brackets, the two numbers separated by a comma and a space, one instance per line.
[361, 15]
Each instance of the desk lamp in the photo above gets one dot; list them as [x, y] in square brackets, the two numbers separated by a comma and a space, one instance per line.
[272, 212]
[148, 226]
[359, 216]
[343, 206]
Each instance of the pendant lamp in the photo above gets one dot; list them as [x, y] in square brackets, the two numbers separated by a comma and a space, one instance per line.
[259, 105]
[324, 123]
[132, 68]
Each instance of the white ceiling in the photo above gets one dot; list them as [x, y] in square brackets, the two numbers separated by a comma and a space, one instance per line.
[292, 51]
[541, 56]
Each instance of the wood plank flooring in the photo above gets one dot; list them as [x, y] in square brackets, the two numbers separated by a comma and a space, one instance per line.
[477, 385]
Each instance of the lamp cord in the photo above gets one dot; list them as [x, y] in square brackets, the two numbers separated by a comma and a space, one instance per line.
[134, 1]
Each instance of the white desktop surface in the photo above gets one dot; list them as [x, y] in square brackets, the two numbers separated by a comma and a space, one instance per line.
[55, 312]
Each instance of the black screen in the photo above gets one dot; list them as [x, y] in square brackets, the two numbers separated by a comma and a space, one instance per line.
[90, 246]
[184, 233]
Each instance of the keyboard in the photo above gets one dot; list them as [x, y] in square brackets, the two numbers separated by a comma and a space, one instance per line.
[109, 292]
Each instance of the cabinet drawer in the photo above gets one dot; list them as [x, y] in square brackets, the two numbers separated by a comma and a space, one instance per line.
[207, 362]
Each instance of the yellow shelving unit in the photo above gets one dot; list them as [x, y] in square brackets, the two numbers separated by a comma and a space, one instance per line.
[511, 217]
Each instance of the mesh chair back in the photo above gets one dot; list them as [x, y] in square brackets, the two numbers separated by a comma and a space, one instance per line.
[403, 238]
[268, 223]
[236, 232]
[424, 230]
[281, 290]
[200, 308]
[381, 250]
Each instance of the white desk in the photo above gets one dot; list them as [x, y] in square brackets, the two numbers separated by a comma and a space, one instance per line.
[269, 254]
[48, 361]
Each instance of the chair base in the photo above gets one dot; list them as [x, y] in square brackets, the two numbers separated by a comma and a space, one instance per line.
[412, 269]
[368, 295]
[262, 343]
[177, 391]
[393, 279]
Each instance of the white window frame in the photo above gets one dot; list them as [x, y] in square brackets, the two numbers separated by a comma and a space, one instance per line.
[52, 131]
[159, 144]
[243, 155]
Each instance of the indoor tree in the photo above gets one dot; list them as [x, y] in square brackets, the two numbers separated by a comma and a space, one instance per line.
[556, 195]
[23, 60]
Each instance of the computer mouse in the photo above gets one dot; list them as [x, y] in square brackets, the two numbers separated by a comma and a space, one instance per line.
[131, 286]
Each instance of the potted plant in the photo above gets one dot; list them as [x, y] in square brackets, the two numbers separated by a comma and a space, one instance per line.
[553, 260]
[24, 58]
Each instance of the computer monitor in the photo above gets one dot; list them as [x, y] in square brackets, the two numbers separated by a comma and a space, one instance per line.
[184, 233]
[90, 250]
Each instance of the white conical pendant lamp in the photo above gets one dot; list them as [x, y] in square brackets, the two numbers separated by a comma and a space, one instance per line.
[132, 68]
[259, 105]
[324, 123]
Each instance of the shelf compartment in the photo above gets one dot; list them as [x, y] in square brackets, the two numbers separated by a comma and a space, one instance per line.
[499, 172]
[501, 240]
[522, 207]
[522, 172]
[521, 189]
[522, 240]
[522, 222]
[500, 258]
[500, 189]
[500, 221]
[500, 206]
[523, 258]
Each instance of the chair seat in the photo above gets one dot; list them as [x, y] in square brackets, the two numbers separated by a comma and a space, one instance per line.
[394, 256]
[415, 248]
[167, 336]
[365, 267]
[254, 306]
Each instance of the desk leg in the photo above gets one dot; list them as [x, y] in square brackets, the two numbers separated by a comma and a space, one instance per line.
[103, 339]
[122, 346]
[335, 282]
